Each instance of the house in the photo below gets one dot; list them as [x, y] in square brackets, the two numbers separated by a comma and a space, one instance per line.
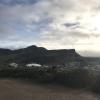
[45, 66]
[13, 65]
[33, 65]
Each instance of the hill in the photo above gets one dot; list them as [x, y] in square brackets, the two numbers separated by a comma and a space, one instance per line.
[34, 54]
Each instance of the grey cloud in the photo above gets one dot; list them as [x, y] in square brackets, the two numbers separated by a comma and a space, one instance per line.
[72, 24]
[79, 34]
[15, 2]
[6, 31]
[15, 45]
[89, 53]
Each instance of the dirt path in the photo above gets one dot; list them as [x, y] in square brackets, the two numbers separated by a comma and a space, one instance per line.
[16, 90]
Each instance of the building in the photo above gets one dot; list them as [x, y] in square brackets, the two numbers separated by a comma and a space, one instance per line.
[13, 65]
[33, 65]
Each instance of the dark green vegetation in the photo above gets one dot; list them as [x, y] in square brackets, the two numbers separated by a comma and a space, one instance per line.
[73, 78]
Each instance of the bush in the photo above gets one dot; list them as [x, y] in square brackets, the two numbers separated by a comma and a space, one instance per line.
[96, 86]
[74, 78]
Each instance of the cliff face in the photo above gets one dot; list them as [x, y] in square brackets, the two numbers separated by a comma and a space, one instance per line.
[40, 55]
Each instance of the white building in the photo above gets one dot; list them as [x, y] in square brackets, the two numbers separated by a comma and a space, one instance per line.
[45, 66]
[13, 65]
[33, 65]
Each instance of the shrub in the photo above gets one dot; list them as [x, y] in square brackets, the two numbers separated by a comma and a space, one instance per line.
[96, 86]
[74, 78]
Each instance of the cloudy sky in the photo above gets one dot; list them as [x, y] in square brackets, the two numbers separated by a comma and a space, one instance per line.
[54, 24]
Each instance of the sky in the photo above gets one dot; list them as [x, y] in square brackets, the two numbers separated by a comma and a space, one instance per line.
[53, 24]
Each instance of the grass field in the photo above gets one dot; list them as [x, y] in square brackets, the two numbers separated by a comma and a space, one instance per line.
[20, 90]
